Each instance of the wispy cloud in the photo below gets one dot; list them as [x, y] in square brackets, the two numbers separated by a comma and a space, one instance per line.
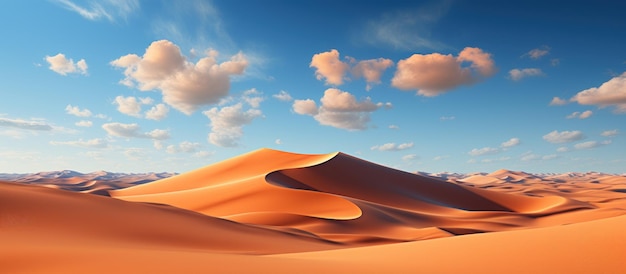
[93, 143]
[96, 10]
[556, 101]
[519, 74]
[483, 151]
[537, 53]
[392, 147]
[134, 131]
[23, 124]
[557, 137]
[406, 29]
[591, 144]
[580, 115]
[610, 133]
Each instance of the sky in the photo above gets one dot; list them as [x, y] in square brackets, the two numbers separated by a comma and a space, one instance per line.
[432, 86]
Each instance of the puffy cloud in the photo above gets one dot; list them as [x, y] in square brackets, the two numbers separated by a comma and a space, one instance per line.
[510, 143]
[371, 70]
[93, 143]
[483, 151]
[591, 144]
[250, 98]
[538, 52]
[184, 85]
[584, 115]
[84, 123]
[283, 96]
[76, 111]
[435, 73]
[102, 9]
[133, 131]
[61, 65]
[556, 101]
[610, 133]
[227, 123]
[339, 109]
[157, 112]
[305, 107]
[131, 105]
[556, 137]
[392, 147]
[518, 74]
[22, 124]
[610, 93]
[328, 66]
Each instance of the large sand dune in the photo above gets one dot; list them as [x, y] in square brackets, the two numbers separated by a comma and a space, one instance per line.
[344, 213]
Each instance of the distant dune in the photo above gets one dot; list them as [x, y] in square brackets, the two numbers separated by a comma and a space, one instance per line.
[257, 212]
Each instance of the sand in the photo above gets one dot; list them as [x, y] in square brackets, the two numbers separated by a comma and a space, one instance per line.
[278, 212]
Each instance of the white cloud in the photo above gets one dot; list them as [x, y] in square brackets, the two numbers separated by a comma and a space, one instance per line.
[184, 85]
[394, 127]
[76, 111]
[435, 73]
[556, 101]
[562, 149]
[131, 105]
[610, 93]
[93, 143]
[339, 109]
[84, 123]
[518, 74]
[157, 112]
[580, 115]
[22, 124]
[97, 10]
[591, 144]
[392, 147]
[227, 123]
[202, 154]
[409, 157]
[63, 66]
[447, 118]
[483, 151]
[529, 156]
[440, 157]
[510, 143]
[283, 96]
[549, 157]
[278, 142]
[133, 131]
[610, 133]
[538, 52]
[183, 147]
[250, 98]
[135, 153]
[556, 137]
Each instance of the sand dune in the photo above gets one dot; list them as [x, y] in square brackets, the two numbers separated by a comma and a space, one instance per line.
[346, 214]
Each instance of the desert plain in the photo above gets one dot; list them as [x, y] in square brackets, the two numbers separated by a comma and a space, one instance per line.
[270, 211]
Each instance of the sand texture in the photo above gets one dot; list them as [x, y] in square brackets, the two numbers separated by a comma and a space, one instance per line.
[270, 211]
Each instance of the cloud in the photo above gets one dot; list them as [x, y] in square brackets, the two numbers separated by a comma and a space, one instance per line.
[93, 143]
[371, 70]
[283, 96]
[184, 85]
[278, 142]
[556, 137]
[591, 144]
[447, 118]
[339, 109]
[409, 157]
[562, 149]
[250, 98]
[328, 66]
[133, 131]
[102, 9]
[22, 124]
[584, 115]
[131, 105]
[529, 156]
[556, 101]
[76, 111]
[435, 73]
[392, 147]
[483, 151]
[510, 143]
[157, 112]
[518, 74]
[183, 147]
[610, 93]
[549, 157]
[406, 29]
[538, 52]
[394, 127]
[84, 123]
[227, 123]
[610, 133]
[63, 66]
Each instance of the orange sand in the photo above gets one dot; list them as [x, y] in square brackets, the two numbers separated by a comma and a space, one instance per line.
[273, 211]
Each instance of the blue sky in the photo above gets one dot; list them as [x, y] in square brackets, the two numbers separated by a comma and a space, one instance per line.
[459, 86]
